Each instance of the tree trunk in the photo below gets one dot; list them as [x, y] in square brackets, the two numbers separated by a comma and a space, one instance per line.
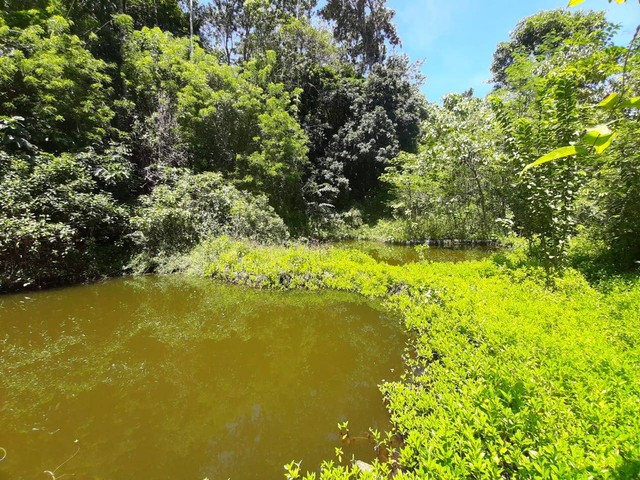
[191, 29]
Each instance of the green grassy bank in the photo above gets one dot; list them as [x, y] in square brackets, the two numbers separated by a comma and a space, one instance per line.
[507, 379]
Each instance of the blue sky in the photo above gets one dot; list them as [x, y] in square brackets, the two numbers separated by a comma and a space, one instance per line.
[457, 38]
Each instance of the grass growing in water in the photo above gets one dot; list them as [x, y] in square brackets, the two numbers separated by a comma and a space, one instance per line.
[509, 379]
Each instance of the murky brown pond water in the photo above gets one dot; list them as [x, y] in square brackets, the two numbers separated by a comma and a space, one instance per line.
[181, 378]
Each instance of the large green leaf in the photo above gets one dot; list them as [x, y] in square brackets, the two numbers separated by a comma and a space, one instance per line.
[610, 102]
[573, 3]
[556, 154]
[614, 100]
[633, 102]
[598, 137]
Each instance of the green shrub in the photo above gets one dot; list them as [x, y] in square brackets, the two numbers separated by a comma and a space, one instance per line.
[177, 216]
[333, 225]
[56, 223]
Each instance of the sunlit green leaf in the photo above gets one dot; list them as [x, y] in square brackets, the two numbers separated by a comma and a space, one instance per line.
[603, 143]
[613, 100]
[573, 3]
[556, 154]
[592, 137]
[598, 137]
[631, 103]
[609, 102]
[597, 131]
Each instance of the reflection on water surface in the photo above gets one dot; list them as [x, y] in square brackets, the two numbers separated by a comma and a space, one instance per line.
[182, 378]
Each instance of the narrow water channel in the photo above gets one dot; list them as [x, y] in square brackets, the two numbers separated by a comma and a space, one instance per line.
[181, 378]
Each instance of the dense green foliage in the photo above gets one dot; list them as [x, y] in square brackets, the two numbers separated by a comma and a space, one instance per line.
[178, 215]
[50, 79]
[543, 36]
[364, 28]
[127, 99]
[472, 175]
[317, 120]
[225, 120]
[60, 218]
[451, 188]
[557, 104]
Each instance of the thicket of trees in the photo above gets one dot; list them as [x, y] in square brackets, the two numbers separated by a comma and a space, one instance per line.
[467, 179]
[119, 130]
[114, 119]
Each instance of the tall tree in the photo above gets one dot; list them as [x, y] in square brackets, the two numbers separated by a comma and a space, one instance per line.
[547, 89]
[364, 27]
[223, 23]
[545, 34]
[222, 118]
[243, 29]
